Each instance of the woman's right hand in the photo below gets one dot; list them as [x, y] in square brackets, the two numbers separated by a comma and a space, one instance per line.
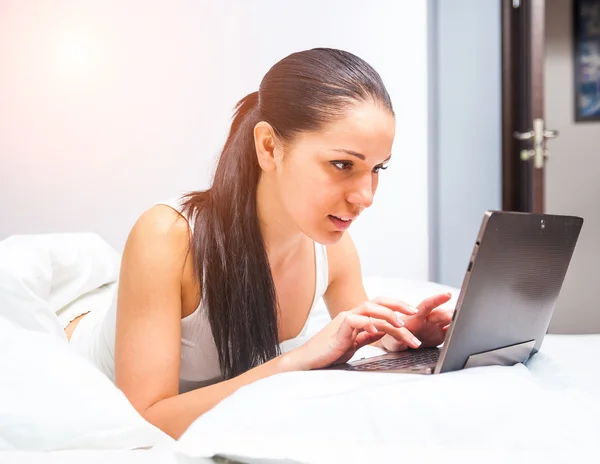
[350, 330]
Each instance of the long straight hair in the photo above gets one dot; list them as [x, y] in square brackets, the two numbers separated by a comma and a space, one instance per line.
[300, 93]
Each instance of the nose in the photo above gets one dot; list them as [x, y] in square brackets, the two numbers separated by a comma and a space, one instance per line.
[362, 192]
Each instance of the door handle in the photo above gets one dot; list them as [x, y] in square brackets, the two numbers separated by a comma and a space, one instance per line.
[539, 136]
[524, 135]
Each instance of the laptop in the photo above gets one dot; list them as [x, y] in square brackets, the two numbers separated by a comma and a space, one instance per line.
[509, 291]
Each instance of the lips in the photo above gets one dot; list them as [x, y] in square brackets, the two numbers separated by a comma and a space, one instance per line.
[341, 222]
[343, 218]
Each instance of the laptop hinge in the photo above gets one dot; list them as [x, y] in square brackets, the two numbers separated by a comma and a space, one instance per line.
[506, 356]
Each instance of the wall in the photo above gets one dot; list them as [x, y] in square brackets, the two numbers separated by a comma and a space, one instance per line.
[572, 176]
[107, 107]
[468, 144]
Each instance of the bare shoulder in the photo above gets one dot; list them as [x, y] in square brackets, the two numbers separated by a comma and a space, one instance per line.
[157, 250]
[163, 222]
[161, 231]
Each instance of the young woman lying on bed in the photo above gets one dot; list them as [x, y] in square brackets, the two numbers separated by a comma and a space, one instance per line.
[212, 283]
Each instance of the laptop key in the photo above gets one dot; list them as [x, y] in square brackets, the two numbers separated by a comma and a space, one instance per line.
[410, 359]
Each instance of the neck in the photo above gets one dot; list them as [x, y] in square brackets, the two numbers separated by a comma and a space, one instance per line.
[282, 238]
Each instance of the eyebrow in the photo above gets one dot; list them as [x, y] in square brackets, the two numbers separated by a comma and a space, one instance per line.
[358, 155]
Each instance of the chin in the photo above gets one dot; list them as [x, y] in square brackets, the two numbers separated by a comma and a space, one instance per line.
[329, 237]
[322, 232]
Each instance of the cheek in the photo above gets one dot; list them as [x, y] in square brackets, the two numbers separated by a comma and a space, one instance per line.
[307, 194]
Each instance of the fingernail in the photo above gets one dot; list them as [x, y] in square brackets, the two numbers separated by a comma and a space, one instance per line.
[399, 319]
[416, 341]
[414, 310]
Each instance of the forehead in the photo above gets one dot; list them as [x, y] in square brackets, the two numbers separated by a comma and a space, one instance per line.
[366, 128]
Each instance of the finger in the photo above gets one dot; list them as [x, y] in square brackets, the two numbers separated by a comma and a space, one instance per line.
[371, 324]
[429, 304]
[368, 323]
[395, 305]
[370, 328]
[352, 324]
[365, 338]
[401, 334]
[346, 329]
[369, 308]
[408, 338]
[440, 316]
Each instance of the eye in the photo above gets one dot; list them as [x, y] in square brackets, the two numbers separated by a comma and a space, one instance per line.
[381, 167]
[342, 165]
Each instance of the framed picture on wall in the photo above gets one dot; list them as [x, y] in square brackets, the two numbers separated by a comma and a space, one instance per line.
[586, 47]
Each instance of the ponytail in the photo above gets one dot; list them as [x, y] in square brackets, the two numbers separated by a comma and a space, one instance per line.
[229, 252]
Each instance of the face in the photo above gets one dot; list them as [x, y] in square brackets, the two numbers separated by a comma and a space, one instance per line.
[324, 179]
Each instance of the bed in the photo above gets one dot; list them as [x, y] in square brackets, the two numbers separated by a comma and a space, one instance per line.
[55, 407]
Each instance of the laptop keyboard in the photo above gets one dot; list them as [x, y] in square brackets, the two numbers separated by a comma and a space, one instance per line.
[417, 358]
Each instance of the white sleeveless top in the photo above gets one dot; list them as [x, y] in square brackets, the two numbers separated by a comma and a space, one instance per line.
[94, 336]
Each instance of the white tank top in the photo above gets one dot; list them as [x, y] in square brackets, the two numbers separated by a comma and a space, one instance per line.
[94, 336]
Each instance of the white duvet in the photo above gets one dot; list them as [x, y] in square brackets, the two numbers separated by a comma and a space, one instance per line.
[50, 399]
[491, 413]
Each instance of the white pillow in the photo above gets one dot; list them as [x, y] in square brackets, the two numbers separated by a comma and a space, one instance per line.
[40, 274]
[499, 414]
[53, 399]
[50, 397]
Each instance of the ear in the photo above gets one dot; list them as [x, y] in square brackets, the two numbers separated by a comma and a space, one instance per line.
[266, 146]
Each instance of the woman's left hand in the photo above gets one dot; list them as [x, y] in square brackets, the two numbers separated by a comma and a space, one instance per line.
[429, 325]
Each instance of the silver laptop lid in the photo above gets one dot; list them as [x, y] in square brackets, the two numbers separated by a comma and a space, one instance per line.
[512, 282]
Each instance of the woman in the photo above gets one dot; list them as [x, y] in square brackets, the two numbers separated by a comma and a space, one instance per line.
[211, 285]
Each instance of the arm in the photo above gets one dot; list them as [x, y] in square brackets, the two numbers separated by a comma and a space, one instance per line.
[345, 290]
[175, 414]
[148, 333]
